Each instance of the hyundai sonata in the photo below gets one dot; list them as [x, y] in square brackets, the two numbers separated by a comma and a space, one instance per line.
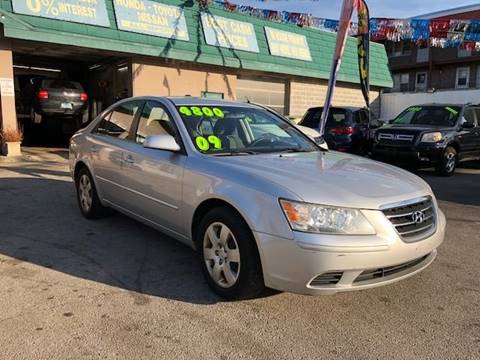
[262, 203]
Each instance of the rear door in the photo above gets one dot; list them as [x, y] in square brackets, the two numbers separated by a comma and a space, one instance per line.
[107, 143]
[153, 178]
[476, 131]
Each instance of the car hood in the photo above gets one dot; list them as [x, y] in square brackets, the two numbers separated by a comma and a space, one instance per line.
[332, 178]
[412, 129]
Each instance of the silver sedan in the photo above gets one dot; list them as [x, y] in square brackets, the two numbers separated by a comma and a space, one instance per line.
[263, 205]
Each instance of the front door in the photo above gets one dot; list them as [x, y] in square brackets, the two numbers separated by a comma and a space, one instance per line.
[154, 177]
[469, 136]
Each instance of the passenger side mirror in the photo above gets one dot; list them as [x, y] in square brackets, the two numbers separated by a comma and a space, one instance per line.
[161, 142]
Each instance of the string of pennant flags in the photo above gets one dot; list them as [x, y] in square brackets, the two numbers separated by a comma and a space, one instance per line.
[423, 32]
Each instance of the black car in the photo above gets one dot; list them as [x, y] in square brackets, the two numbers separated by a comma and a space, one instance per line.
[431, 134]
[347, 129]
[44, 98]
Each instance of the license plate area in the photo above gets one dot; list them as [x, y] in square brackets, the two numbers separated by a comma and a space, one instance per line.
[67, 106]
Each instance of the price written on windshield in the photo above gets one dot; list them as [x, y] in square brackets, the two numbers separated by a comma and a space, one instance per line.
[91, 12]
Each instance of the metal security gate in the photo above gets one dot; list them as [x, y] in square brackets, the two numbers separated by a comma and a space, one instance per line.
[265, 92]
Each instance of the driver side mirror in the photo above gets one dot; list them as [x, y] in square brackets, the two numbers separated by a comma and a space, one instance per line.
[161, 142]
[468, 125]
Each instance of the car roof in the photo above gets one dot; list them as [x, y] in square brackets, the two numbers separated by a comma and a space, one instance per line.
[190, 100]
[442, 104]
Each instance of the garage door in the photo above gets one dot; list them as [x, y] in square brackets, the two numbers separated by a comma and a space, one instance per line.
[268, 93]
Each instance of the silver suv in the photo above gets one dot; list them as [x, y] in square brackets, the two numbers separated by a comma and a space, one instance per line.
[261, 203]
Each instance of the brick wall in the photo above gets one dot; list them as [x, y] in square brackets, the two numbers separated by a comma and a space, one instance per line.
[305, 95]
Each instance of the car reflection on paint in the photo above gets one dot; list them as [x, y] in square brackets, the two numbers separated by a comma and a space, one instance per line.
[262, 203]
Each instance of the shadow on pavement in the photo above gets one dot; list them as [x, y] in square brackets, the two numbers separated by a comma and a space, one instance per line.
[40, 224]
[461, 188]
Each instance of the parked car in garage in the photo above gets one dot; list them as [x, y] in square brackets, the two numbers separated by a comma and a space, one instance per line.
[46, 98]
[348, 129]
[441, 135]
[263, 204]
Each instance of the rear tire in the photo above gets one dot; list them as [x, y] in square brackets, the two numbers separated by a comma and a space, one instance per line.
[87, 196]
[448, 162]
[228, 255]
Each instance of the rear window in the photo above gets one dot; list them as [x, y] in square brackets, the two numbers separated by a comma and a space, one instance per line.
[336, 117]
[62, 84]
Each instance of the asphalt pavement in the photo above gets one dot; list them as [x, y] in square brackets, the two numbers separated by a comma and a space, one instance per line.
[115, 289]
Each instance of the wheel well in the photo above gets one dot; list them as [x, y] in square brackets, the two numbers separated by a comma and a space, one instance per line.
[205, 207]
[78, 166]
[455, 146]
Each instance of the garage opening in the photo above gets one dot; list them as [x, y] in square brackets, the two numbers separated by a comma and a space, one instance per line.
[267, 92]
[59, 89]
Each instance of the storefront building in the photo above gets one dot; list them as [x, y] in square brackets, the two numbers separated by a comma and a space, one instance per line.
[121, 48]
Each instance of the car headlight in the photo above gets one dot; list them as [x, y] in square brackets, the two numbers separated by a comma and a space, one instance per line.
[318, 219]
[432, 137]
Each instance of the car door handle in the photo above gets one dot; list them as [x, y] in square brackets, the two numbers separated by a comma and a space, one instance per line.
[128, 159]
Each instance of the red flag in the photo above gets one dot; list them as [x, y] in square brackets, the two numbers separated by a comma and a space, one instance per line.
[345, 18]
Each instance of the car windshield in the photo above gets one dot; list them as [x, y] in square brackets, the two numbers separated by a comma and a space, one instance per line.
[229, 130]
[428, 115]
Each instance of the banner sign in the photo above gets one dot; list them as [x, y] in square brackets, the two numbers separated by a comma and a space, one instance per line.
[287, 44]
[151, 18]
[91, 12]
[228, 33]
[363, 45]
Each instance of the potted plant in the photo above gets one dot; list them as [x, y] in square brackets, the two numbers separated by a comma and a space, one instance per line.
[10, 140]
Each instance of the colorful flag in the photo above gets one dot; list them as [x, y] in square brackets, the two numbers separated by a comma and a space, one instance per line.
[363, 43]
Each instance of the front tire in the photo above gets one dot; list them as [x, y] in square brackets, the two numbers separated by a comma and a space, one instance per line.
[448, 162]
[87, 196]
[228, 255]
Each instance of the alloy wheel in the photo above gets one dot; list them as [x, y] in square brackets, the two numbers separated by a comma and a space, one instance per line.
[450, 163]
[221, 254]
[85, 192]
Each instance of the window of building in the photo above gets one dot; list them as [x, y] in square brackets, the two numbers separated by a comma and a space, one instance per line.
[464, 53]
[423, 54]
[421, 81]
[154, 121]
[462, 80]
[119, 121]
[263, 92]
[477, 82]
[212, 95]
[401, 48]
[401, 82]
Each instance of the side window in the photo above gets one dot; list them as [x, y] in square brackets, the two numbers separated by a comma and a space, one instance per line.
[363, 117]
[469, 115]
[118, 122]
[154, 121]
[311, 119]
[477, 112]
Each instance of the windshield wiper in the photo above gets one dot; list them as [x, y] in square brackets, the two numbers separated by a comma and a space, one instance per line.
[235, 153]
[295, 150]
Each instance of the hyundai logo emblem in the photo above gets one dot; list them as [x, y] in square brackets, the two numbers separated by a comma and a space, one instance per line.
[418, 217]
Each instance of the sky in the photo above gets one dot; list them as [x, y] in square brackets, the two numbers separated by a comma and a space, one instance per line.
[378, 8]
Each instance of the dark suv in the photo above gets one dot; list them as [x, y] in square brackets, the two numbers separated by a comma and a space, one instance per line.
[43, 98]
[431, 134]
[347, 129]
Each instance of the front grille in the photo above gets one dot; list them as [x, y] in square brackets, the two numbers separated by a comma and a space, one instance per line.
[398, 138]
[413, 221]
[387, 271]
[330, 278]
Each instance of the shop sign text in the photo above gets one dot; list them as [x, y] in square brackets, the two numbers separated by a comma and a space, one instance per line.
[151, 18]
[91, 12]
[287, 44]
[228, 33]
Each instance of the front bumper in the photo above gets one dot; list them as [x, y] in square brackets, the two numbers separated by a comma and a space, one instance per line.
[292, 265]
[422, 153]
